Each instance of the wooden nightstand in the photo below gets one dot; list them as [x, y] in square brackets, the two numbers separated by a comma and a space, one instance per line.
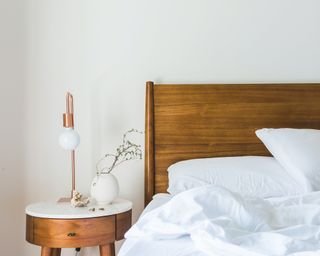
[54, 226]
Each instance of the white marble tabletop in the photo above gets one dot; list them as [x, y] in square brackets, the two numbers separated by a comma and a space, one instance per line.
[55, 210]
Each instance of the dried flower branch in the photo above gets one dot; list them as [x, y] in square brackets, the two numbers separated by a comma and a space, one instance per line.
[127, 151]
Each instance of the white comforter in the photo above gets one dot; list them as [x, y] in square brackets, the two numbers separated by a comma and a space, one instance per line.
[222, 223]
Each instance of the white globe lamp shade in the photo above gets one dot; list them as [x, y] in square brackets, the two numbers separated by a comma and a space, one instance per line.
[69, 139]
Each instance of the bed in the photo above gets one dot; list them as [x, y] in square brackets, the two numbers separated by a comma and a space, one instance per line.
[188, 121]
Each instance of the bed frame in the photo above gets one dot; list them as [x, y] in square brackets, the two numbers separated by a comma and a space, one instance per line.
[185, 121]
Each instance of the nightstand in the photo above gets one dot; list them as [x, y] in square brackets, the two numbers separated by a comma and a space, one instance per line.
[53, 226]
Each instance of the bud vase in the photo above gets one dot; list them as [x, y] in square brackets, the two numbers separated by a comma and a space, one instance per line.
[104, 188]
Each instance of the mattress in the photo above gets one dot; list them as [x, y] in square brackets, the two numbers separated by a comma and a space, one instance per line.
[177, 247]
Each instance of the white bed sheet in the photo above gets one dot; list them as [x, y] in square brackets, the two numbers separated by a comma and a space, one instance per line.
[142, 247]
[211, 220]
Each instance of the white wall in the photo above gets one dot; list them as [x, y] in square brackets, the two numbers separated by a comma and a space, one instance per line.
[12, 45]
[104, 51]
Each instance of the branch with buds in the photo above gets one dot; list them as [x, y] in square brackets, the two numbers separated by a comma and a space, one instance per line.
[127, 151]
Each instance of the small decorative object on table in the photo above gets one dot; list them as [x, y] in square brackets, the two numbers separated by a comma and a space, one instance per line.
[78, 200]
[54, 226]
[105, 187]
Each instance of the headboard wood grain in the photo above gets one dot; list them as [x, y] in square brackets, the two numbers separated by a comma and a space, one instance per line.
[185, 121]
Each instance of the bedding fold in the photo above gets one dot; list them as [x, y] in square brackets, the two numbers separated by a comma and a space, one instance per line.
[220, 222]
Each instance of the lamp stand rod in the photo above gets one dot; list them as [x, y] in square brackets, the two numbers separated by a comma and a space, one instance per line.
[73, 167]
[70, 124]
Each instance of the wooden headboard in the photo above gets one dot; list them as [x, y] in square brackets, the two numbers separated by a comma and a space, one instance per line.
[214, 120]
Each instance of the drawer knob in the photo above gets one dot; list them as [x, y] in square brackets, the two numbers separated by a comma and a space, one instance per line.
[72, 234]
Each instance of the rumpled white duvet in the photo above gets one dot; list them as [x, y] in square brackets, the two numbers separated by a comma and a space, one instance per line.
[221, 223]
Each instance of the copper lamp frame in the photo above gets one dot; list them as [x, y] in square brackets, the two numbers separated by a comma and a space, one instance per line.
[68, 122]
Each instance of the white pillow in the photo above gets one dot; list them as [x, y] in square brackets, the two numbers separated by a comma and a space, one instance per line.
[256, 176]
[298, 151]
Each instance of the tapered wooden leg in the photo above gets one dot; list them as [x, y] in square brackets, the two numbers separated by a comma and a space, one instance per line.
[107, 250]
[46, 251]
[56, 252]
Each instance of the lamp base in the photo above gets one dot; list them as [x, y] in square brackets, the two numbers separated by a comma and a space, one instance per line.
[64, 200]
[67, 199]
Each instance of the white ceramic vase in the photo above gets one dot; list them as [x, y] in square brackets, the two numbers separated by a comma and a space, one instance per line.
[104, 188]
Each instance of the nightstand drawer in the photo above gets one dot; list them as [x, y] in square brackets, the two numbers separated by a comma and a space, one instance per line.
[58, 233]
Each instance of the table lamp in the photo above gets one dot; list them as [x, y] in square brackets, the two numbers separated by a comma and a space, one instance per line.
[69, 140]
